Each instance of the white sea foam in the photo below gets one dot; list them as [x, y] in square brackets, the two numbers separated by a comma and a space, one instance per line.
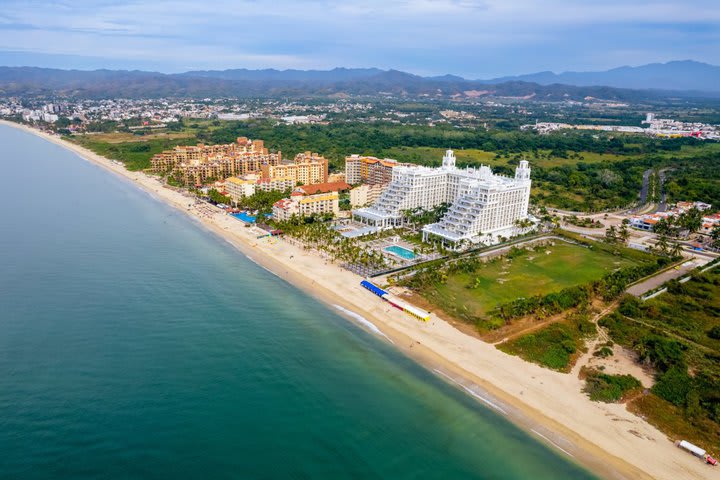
[472, 392]
[261, 266]
[363, 321]
[553, 443]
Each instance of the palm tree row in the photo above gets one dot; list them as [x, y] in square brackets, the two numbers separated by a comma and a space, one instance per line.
[319, 236]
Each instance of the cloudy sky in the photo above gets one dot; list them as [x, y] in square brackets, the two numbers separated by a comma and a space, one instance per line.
[472, 38]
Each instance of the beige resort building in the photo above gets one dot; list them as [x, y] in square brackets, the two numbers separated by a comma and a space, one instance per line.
[196, 165]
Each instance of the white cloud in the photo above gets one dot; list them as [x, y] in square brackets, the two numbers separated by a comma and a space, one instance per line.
[460, 36]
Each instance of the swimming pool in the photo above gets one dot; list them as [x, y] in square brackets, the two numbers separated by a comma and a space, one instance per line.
[244, 217]
[400, 252]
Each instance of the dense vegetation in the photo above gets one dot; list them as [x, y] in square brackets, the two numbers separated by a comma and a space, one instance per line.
[554, 346]
[262, 201]
[696, 178]
[678, 333]
[602, 387]
[341, 139]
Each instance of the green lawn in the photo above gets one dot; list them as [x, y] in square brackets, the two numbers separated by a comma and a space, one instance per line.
[534, 273]
[423, 155]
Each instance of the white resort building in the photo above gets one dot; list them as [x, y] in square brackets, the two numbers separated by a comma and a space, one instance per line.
[483, 206]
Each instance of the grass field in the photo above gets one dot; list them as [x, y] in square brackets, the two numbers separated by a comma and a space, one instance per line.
[123, 137]
[535, 273]
[480, 157]
[134, 154]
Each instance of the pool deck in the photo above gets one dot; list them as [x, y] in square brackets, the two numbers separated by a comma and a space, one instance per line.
[396, 251]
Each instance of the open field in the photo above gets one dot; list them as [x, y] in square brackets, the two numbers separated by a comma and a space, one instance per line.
[134, 154]
[545, 270]
[543, 158]
[122, 137]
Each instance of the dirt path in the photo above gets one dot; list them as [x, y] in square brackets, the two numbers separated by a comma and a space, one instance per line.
[601, 337]
[535, 326]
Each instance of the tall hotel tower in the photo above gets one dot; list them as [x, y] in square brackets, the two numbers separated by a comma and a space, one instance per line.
[483, 206]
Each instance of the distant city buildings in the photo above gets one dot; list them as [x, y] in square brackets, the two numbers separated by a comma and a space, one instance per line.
[482, 206]
[658, 127]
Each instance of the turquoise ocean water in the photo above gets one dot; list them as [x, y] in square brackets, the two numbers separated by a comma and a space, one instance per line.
[134, 344]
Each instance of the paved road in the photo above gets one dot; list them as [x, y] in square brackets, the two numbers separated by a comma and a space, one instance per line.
[663, 195]
[641, 288]
[645, 190]
[645, 186]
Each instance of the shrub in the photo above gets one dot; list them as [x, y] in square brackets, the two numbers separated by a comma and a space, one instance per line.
[714, 332]
[551, 347]
[603, 352]
[609, 388]
[674, 386]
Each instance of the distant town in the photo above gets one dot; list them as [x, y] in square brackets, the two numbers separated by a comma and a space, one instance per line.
[658, 127]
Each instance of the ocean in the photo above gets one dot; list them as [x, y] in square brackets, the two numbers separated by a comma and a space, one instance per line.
[136, 344]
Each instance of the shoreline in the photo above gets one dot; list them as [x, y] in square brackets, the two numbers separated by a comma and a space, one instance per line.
[604, 438]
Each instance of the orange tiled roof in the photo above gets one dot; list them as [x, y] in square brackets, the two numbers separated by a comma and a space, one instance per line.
[324, 187]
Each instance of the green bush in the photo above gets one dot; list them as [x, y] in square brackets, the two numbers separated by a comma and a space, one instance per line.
[603, 352]
[551, 347]
[714, 332]
[674, 386]
[609, 388]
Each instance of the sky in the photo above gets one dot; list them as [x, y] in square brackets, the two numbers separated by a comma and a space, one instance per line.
[476, 39]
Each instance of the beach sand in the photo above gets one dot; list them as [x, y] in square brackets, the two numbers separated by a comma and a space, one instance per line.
[605, 438]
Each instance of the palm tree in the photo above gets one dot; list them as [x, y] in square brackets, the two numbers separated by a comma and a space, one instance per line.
[624, 233]
[662, 244]
[691, 220]
[663, 226]
[715, 235]
[611, 234]
[676, 249]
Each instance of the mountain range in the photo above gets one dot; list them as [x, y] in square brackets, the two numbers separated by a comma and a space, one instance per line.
[672, 79]
[677, 75]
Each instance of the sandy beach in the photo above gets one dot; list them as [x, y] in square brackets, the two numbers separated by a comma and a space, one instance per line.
[605, 438]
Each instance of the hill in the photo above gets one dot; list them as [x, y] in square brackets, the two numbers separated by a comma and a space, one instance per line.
[21, 81]
[683, 75]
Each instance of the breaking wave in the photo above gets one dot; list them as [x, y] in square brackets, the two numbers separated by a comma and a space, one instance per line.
[363, 321]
